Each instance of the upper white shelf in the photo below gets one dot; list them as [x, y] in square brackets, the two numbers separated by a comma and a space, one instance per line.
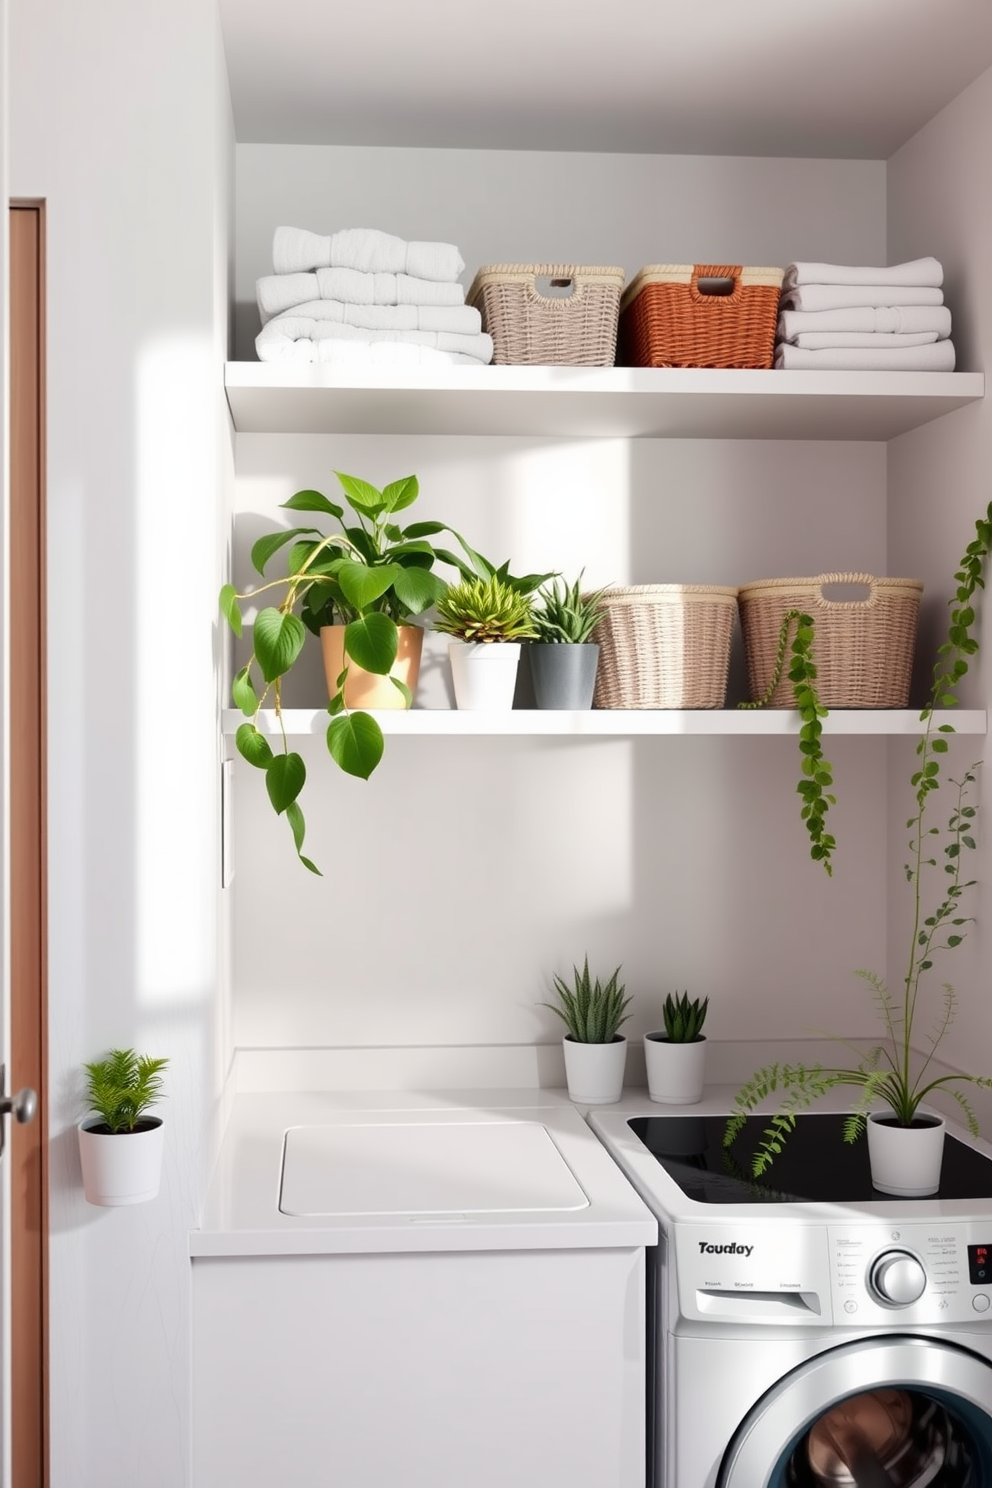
[615, 722]
[617, 402]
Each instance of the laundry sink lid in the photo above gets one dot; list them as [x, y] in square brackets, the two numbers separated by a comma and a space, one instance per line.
[425, 1168]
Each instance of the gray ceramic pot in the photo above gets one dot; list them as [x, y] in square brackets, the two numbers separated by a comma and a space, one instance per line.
[563, 674]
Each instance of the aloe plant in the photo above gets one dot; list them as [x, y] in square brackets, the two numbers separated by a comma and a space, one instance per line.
[892, 1071]
[485, 610]
[684, 1019]
[591, 1010]
[122, 1087]
[563, 614]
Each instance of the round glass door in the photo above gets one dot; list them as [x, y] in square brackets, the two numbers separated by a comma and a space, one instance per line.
[880, 1413]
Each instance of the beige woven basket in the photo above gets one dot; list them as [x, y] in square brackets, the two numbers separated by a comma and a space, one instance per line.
[863, 648]
[664, 646]
[571, 320]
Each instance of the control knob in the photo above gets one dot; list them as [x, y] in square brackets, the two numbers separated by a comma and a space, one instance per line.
[897, 1278]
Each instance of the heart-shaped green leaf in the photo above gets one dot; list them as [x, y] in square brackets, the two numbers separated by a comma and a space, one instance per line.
[229, 607]
[278, 642]
[263, 549]
[403, 690]
[401, 493]
[362, 496]
[298, 826]
[362, 586]
[313, 501]
[243, 693]
[371, 641]
[253, 746]
[418, 588]
[355, 743]
[285, 777]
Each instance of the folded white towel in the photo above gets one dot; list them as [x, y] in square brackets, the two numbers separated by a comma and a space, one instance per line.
[938, 357]
[292, 327]
[921, 271]
[294, 250]
[896, 319]
[844, 296]
[820, 340]
[363, 354]
[464, 320]
[278, 292]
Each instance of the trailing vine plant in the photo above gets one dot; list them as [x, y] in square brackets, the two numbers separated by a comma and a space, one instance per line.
[891, 1071]
[817, 772]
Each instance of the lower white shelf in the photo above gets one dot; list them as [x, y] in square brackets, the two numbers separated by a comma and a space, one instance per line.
[615, 722]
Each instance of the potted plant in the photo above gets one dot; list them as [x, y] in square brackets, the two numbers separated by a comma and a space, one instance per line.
[595, 1051]
[893, 1075]
[359, 588]
[487, 618]
[675, 1056]
[120, 1145]
[562, 655]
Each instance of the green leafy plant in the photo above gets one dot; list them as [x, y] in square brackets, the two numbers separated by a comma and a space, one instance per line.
[591, 1010]
[122, 1087]
[684, 1019]
[485, 610]
[563, 614]
[371, 575]
[892, 1072]
[817, 772]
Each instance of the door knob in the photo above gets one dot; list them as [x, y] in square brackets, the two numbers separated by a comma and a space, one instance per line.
[21, 1106]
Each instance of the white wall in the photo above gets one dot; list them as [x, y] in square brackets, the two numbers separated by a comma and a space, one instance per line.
[467, 871]
[939, 485]
[120, 119]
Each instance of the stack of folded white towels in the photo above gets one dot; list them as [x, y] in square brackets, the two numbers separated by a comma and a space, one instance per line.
[361, 297]
[835, 317]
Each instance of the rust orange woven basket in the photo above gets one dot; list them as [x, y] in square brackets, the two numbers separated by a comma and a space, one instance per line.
[700, 315]
[549, 315]
[863, 647]
[664, 646]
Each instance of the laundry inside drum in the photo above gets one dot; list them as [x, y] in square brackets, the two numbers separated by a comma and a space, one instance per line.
[884, 1438]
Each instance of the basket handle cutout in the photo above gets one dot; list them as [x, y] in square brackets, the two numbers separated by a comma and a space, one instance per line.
[716, 284]
[848, 591]
[554, 288]
[713, 285]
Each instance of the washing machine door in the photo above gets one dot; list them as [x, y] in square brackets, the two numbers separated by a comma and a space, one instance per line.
[780, 1444]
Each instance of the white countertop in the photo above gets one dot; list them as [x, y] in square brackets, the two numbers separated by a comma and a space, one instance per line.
[393, 1171]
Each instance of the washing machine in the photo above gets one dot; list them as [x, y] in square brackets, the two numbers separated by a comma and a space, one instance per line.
[805, 1330]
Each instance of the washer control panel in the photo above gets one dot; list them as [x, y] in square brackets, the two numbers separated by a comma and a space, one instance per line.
[937, 1272]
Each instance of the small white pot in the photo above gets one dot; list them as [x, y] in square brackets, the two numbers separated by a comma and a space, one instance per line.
[675, 1071]
[905, 1160]
[595, 1071]
[122, 1167]
[484, 674]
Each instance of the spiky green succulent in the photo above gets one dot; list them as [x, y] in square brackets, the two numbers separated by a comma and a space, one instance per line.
[684, 1019]
[564, 614]
[485, 610]
[591, 1010]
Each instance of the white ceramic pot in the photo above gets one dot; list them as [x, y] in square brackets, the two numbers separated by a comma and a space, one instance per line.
[905, 1160]
[484, 674]
[123, 1167]
[675, 1071]
[595, 1071]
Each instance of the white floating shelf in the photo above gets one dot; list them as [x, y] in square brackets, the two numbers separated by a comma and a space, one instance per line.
[616, 723]
[582, 402]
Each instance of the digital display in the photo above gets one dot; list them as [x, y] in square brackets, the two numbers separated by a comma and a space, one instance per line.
[980, 1264]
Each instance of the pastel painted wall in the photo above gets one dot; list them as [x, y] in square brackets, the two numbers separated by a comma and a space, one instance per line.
[939, 484]
[119, 117]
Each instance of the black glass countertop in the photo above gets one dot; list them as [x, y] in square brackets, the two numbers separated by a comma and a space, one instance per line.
[815, 1165]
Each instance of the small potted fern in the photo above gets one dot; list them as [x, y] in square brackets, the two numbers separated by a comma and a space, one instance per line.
[487, 620]
[563, 657]
[120, 1145]
[595, 1050]
[675, 1057]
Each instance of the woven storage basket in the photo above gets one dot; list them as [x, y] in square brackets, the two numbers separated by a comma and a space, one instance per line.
[576, 327]
[664, 646]
[863, 648]
[666, 320]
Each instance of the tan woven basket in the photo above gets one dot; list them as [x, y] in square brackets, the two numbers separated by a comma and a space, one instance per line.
[667, 320]
[863, 648]
[545, 315]
[664, 646]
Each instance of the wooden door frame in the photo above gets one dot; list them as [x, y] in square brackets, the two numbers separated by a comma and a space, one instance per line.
[27, 1064]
